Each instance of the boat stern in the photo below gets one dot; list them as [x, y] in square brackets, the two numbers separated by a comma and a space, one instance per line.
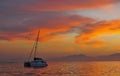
[27, 64]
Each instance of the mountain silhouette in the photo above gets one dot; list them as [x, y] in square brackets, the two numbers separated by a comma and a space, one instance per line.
[82, 57]
[112, 57]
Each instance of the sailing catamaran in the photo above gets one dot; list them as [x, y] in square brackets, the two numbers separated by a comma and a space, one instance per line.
[35, 62]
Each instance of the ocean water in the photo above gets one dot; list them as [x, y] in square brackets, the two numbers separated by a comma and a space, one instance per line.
[63, 69]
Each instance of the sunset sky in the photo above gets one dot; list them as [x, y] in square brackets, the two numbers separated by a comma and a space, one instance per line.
[67, 27]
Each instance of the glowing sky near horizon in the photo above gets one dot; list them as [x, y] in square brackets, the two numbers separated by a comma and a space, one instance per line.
[67, 27]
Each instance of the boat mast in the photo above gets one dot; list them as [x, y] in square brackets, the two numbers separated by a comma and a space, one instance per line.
[36, 44]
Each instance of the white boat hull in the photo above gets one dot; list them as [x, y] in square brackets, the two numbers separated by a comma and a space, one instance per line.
[38, 64]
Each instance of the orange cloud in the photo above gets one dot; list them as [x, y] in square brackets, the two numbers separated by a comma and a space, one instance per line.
[118, 48]
[96, 44]
[49, 28]
[91, 31]
[49, 34]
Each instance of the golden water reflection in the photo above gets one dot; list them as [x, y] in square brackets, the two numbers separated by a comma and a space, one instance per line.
[80, 69]
[63, 69]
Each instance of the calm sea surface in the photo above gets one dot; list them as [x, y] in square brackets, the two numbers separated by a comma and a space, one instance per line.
[63, 69]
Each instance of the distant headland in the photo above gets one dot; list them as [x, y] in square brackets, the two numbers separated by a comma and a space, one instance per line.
[82, 57]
